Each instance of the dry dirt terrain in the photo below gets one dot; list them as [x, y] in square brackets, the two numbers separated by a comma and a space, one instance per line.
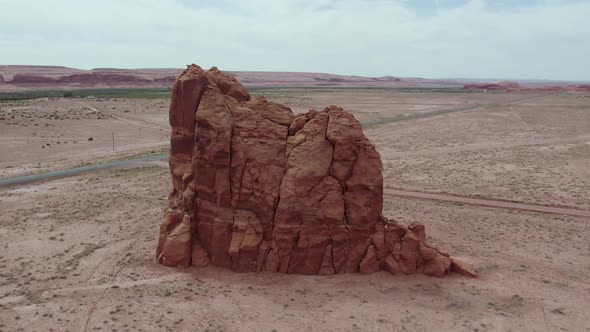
[524, 147]
[47, 134]
[78, 253]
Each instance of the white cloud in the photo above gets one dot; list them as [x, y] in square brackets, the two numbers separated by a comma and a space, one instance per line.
[543, 39]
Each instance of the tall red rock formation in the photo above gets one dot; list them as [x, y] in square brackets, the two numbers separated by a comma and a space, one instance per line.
[257, 188]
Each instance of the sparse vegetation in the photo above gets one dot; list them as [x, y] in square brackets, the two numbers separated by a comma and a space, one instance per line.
[83, 93]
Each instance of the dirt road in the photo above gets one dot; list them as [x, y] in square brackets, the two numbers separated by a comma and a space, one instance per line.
[422, 115]
[490, 203]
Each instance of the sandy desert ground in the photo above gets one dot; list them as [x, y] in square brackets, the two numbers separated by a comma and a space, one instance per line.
[78, 253]
[47, 134]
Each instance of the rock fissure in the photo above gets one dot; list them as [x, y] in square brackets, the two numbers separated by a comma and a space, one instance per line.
[284, 169]
[230, 150]
[258, 188]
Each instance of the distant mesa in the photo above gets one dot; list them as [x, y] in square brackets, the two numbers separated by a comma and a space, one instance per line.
[356, 79]
[55, 77]
[500, 86]
[579, 88]
[90, 79]
[258, 188]
[509, 86]
[97, 78]
[38, 77]
[168, 80]
[31, 79]
[389, 78]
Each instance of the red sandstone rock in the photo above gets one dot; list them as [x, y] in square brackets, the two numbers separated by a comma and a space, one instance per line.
[392, 265]
[462, 268]
[434, 263]
[256, 188]
[409, 254]
[199, 256]
[369, 264]
[327, 266]
[176, 250]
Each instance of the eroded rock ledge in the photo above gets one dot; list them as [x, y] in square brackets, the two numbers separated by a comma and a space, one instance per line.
[257, 188]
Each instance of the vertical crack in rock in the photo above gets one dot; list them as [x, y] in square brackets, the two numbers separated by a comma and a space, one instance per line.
[328, 267]
[230, 150]
[257, 188]
[235, 262]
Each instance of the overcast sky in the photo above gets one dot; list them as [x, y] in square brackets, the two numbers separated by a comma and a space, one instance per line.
[526, 39]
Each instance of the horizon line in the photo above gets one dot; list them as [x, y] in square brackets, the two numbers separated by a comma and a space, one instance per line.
[482, 79]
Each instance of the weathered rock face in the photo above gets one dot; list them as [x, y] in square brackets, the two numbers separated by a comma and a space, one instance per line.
[257, 188]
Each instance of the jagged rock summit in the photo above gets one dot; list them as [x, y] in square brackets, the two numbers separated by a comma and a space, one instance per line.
[257, 188]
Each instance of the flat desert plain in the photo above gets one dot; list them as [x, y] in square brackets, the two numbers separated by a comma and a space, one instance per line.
[78, 252]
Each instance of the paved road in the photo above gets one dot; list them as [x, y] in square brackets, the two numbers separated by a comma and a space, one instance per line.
[78, 170]
[489, 203]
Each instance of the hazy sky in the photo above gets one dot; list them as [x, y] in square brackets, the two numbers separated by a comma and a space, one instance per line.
[539, 39]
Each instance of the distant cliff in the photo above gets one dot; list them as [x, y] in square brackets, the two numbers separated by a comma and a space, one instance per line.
[513, 86]
[43, 77]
